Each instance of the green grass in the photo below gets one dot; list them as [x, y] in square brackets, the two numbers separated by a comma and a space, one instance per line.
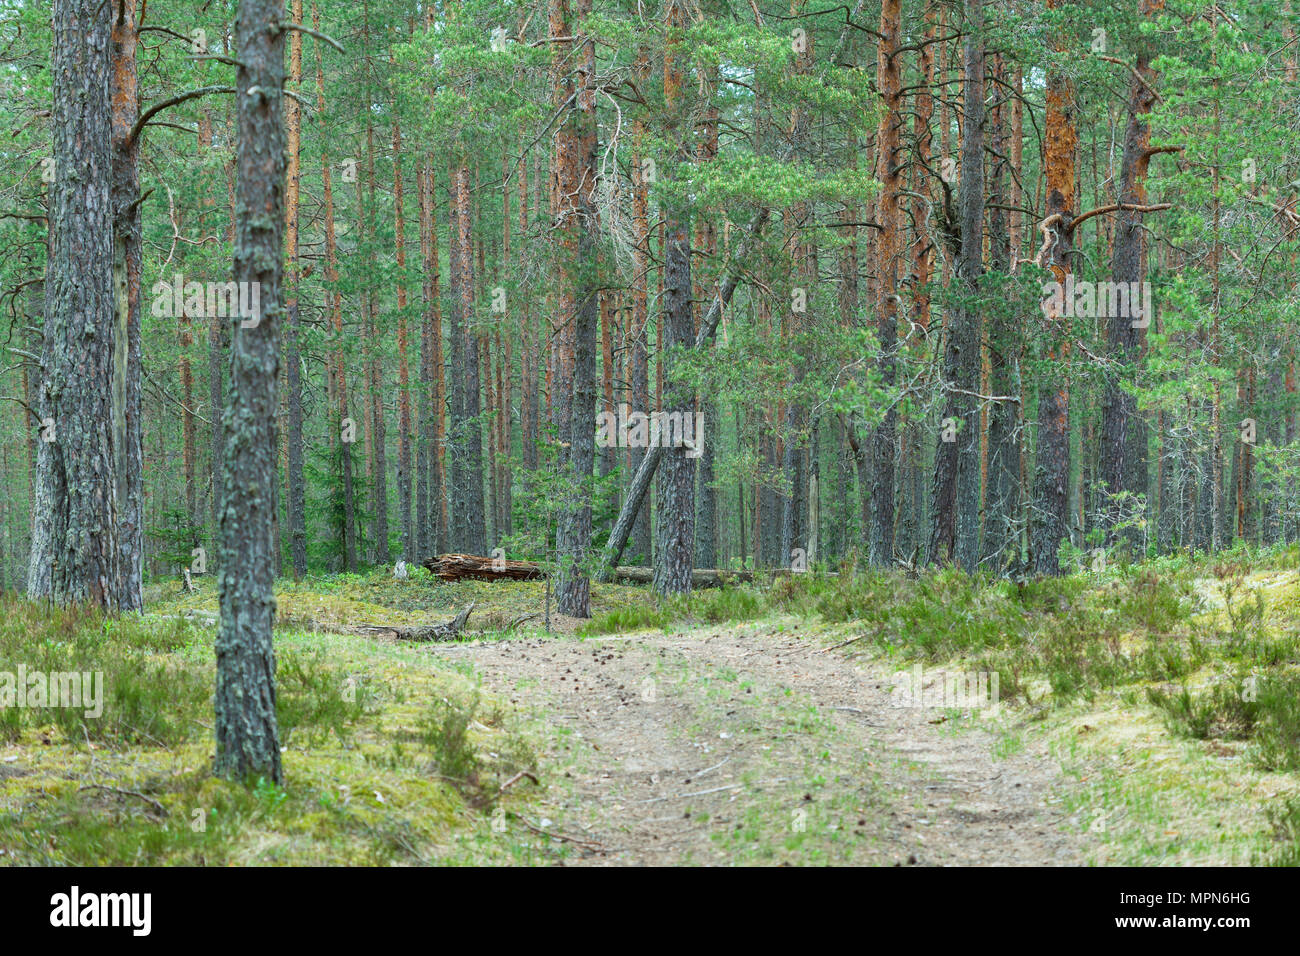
[704, 606]
[394, 755]
[390, 755]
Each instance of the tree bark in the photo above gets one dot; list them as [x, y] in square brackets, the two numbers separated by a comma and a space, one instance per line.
[1123, 464]
[889, 248]
[676, 485]
[1052, 471]
[469, 441]
[573, 589]
[404, 453]
[338, 371]
[955, 534]
[128, 438]
[293, 359]
[1000, 546]
[378, 440]
[75, 556]
[247, 735]
[640, 357]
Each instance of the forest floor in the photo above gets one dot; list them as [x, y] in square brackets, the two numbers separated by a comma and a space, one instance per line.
[742, 726]
[762, 744]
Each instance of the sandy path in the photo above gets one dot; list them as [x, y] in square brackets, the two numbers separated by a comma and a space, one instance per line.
[756, 745]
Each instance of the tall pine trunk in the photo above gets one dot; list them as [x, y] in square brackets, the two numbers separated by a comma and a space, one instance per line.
[573, 591]
[339, 420]
[1123, 464]
[74, 555]
[676, 482]
[1000, 546]
[889, 252]
[1052, 470]
[128, 436]
[246, 731]
[293, 358]
[956, 497]
[469, 440]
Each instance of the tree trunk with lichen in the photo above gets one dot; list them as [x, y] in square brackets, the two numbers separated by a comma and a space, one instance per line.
[247, 735]
[75, 556]
[675, 544]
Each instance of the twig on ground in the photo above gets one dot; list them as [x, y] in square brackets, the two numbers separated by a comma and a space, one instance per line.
[852, 640]
[588, 844]
[695, 793]
[516, 778]
[128, 793]
[711, 769]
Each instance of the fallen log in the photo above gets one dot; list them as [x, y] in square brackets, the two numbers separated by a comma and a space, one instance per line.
[473, 567]
[445, 631]
[457, 567]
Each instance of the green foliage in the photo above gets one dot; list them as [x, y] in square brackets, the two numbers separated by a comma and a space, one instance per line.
[176, 538]
[316, 698]
[327, 508]
[1284, 847]
[124, 664]
[444, 731]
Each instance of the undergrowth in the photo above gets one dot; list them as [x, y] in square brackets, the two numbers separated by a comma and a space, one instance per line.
[132, 785]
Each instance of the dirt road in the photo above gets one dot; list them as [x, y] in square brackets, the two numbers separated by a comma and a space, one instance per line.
[759, 745]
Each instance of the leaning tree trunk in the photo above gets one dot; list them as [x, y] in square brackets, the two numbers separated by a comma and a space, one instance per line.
[246, 729]
[734, 272]
[75, 556]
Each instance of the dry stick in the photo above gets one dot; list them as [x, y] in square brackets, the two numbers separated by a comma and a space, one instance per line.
[589, 844]
[852, 640]
[711, 769]
[696, 793]
[516, 778]
[128, 793]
